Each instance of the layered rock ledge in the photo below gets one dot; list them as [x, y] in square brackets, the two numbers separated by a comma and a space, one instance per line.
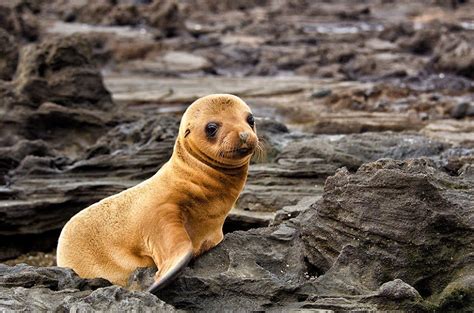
[392, 235]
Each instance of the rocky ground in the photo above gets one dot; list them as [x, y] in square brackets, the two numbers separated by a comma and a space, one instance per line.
[365, 200]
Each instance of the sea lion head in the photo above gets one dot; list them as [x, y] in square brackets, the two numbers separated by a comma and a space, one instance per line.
[219, 130]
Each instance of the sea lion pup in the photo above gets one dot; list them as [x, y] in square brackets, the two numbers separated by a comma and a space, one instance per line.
[176, 214]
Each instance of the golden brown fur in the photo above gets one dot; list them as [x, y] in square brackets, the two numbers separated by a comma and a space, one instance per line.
[178, 211]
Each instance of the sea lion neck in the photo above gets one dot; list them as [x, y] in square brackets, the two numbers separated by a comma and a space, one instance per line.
[184, 150]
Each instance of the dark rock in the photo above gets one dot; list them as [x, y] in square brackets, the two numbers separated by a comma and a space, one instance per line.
[19, 20]
[454, 54]
[321, 93]
[424, 40]
[458, 296]
[388, 222]
[392, 32]
[61, 71]
[166, 17]
[122, 14]
[436, 82]
[352, 151]
[251, 270]
[54, 278]
[217, 6]
[391, 219]
[462, 109]
[8, 55]
[28, 288]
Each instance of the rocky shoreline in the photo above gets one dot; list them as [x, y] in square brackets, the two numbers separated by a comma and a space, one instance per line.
[364, 200]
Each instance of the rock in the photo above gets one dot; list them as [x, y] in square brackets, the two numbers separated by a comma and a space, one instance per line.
[260, 268]
[391, 219]
[54, 278]
[457, 132]
[398, 290]
[424, 40]
[217, 6]
[122, 14]
[394, 31]
[8, 55]
[321, 93]
[351, 151]
[374, 233]
[28, 288]
[462, 109]
[172, 63]
[19, 19]
[292, 211]
[454, 54]
[61, 71]
[458, 295]
[358, 122]
[165, 16]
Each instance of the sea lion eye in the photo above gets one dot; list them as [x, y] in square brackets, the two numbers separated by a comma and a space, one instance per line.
[251, 120]
[211, 129]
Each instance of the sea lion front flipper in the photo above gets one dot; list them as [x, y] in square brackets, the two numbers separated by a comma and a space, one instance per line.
[179, 264]
[171, 247]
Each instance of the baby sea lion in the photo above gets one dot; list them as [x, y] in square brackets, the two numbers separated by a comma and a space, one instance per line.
[176, 214]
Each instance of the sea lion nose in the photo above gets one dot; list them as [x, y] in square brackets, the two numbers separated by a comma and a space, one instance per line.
[243, 137]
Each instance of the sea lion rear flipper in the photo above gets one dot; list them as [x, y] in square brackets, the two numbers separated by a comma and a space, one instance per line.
[179, 264]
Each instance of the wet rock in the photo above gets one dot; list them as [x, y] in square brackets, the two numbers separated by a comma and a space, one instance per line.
[8, 55]
[389, 220]
[58, 289]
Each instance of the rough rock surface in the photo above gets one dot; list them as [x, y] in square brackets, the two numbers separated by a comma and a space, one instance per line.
[61, 71]
[27, 288]
[353, 83]
[363, 246]
[8, 55]
[392, 219]
[17, 18]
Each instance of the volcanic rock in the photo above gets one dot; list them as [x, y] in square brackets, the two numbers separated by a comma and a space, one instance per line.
[391, 219]
[8, 55]
[28, 288]
[455, 54]
[60, 70]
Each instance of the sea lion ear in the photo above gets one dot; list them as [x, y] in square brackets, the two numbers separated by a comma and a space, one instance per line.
[186, 132]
